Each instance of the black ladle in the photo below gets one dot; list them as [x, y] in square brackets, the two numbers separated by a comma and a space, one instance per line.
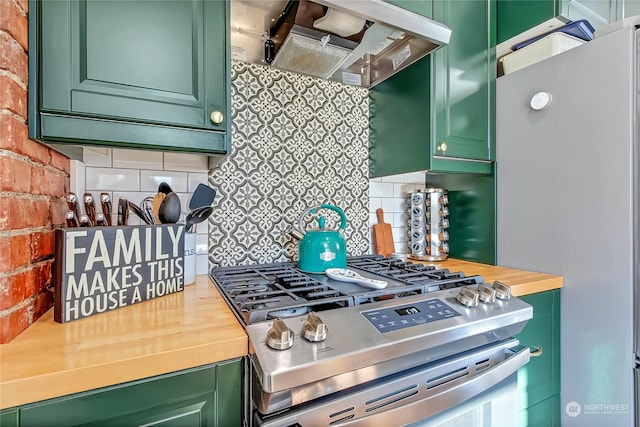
[169, 210]
[198, 215]
[164, 188]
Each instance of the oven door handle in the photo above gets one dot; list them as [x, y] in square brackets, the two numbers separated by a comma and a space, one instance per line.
[448, 398]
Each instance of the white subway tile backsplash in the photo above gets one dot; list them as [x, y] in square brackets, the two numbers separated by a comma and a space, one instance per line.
[136, 159]
[77, 174]
[380, 189]
[95, 156]
[391, 196]
[186, 162]
[150, 179]
[374, 203]
[109, 179]
[393, 205]
[394, 178]
[195, 178]
[418, 178]
[372, 218]
[401, 190]
[400, 219]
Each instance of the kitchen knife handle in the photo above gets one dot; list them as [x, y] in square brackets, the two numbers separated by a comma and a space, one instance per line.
[72, 202]
[71, 218]
[123, 211]
[84, 220]
[101, 219]
[105, 201]
[90, 207]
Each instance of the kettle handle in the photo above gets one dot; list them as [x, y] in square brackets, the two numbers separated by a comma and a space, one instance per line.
[343, 217]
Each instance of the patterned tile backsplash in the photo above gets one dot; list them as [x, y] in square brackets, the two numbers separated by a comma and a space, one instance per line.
[298, 142]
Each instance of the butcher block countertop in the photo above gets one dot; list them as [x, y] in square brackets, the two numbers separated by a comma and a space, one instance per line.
[167, 334]
[174, 332]
[522, 282]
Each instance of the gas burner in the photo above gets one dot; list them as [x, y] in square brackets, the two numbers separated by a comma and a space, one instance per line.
[266, 291]
[413, 274]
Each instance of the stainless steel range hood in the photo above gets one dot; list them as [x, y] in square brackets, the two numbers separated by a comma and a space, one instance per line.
[356, 42]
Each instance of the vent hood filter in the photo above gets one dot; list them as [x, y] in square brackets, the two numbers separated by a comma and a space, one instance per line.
[308, 55]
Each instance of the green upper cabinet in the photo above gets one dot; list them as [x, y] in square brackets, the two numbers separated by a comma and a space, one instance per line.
[421, 7]
[134, 73]
[438, 114]
[517, 16]
[463, 82]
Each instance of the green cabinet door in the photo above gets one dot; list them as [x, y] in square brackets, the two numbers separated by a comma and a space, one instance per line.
[517, 16]
[136, 73]
[9, 418]
[447, 97]
[463, 84]
[207, 396]
[421, 7]
[539, 379]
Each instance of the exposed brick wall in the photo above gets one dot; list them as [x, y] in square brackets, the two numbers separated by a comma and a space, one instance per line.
[33, 181]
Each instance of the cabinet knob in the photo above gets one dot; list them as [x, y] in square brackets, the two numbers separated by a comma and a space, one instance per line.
[217, 117]
[442, 147]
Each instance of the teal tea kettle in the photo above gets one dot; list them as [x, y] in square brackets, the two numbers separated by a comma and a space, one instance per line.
[320, 248]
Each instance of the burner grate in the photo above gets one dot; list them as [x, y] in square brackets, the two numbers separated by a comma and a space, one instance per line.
[264, 291]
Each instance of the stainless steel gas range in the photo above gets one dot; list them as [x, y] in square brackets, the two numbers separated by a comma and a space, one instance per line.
[326, 352]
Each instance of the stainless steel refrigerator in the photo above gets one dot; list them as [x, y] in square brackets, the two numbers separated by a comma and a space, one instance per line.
[567, 152]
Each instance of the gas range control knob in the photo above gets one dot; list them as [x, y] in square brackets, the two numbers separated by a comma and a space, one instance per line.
[503, 291]
[313, 328]
[279, 336]
[467, 297]
[486, 294]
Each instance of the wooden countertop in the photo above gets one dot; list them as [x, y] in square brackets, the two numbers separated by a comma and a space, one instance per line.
[522, 282]
[175, 332]
[178, 331]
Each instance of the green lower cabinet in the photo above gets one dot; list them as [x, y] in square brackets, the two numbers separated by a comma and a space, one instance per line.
[539, 380]
[9, 418]
[206, 396]
[438, 114]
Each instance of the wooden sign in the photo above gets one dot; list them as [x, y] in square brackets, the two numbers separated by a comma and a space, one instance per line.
[99, 269]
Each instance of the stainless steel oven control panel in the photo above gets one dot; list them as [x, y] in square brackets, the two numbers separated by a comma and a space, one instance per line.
[390, 319]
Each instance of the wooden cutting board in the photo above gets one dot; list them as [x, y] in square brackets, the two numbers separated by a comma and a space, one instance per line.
[382, 236]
